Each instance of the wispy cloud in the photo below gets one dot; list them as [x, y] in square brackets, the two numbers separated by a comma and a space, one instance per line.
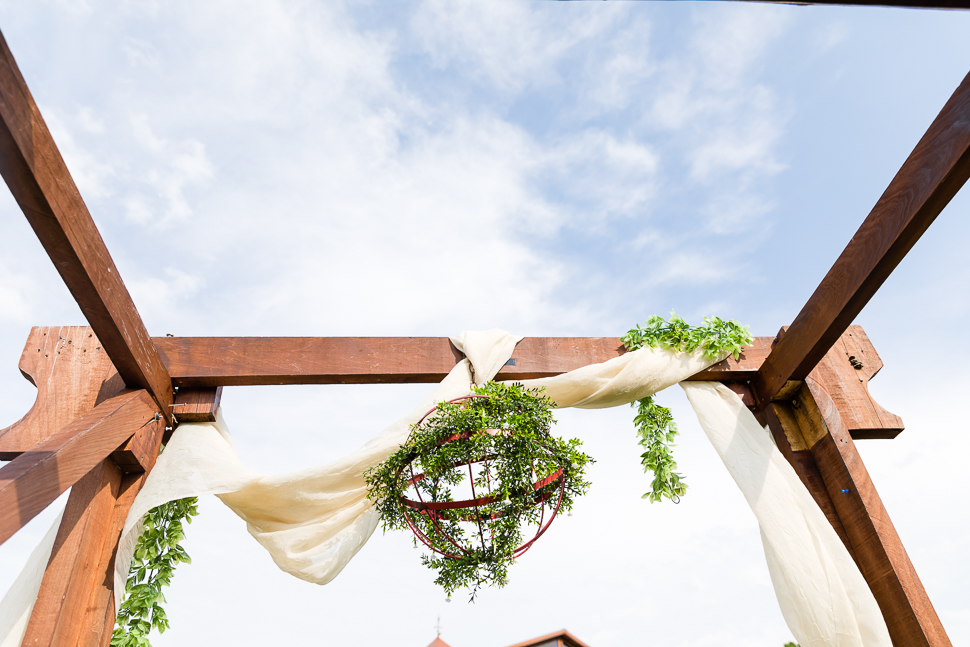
[510, 45]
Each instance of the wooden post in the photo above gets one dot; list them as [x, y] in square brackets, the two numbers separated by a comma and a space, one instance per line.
[85, 432]
[76, 604]
[812, 429]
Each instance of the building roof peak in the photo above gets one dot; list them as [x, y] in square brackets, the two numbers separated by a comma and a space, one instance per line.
[438, 642]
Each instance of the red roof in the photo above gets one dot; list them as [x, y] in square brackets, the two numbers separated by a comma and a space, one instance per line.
[438, 642]
[562, 637]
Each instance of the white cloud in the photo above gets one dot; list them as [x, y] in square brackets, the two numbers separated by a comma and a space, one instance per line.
[602, 176]
[14, 303]
[686, 268]
[155, 295]
[737, 213]
[614, 79]
[713, 90]
[832, 35]
[173, 168]
[87, 121]
[141, 54]
[92, 176]
[509, 44]
[747, 146]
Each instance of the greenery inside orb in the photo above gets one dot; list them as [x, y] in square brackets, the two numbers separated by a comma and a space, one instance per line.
[477, 481]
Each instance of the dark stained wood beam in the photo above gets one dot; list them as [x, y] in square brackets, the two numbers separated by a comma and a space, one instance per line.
[76, 604]
[811, 430]
[910, 4]
[39, 180]
[932, 174]
[236, 361]
[197, 405]
[30, 482]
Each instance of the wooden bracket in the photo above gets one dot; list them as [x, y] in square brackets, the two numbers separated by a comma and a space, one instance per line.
[30, 482]
[845, 370]
[86, 432]
[197, 405]
[72, 373]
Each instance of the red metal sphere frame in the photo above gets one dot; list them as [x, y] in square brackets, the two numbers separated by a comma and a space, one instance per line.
[431, 509]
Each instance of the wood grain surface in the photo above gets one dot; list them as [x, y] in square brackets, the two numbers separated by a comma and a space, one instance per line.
[235, 361]
[76, 601]
[911, 4]
[845, 371]
[812, 434]
[197, 405]
[39, 180]
[909, 614]
[931, 175]
[30, 482]
[72, 374]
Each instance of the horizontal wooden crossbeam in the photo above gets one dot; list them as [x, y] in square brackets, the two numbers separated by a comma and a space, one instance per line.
[929, 178]
[236, 361]
[910, 4]
[39, 180]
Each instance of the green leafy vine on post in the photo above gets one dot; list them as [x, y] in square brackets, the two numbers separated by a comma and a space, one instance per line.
[655, 424]
[157, 553]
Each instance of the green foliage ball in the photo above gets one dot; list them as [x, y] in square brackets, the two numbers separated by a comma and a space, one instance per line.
[517, 452]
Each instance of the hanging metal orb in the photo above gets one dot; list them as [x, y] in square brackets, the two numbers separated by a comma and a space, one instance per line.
[459, 524]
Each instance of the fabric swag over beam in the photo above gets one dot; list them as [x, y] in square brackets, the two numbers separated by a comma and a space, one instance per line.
[314, 521]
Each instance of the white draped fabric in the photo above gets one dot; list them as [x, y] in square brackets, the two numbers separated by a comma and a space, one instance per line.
[17, 604]
[314, 521]
[822, 595]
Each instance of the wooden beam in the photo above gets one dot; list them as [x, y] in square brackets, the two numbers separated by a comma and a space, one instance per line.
[236, 361]
[931, 175]
[909, 614]
[197, 405]
[910, 4]
[30, 482]
[811, 432]
[39, 180]
[76, 601]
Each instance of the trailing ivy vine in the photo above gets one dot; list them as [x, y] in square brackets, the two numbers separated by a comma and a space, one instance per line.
[655, 424]
[157, 553]
[506, 435]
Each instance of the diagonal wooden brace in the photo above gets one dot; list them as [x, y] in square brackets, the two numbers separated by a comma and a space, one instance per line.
[30, 482]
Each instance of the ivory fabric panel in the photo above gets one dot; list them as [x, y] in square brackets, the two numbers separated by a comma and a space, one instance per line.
[19, 600]
[822, 595]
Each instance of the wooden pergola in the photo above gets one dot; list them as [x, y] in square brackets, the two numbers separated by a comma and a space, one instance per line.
[109, 392]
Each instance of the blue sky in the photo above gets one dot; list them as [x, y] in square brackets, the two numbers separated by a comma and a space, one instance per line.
[421, 168]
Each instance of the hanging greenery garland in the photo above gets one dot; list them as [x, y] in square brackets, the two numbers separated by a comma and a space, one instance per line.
[498, 442]
[655, 424]
[157, 553]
